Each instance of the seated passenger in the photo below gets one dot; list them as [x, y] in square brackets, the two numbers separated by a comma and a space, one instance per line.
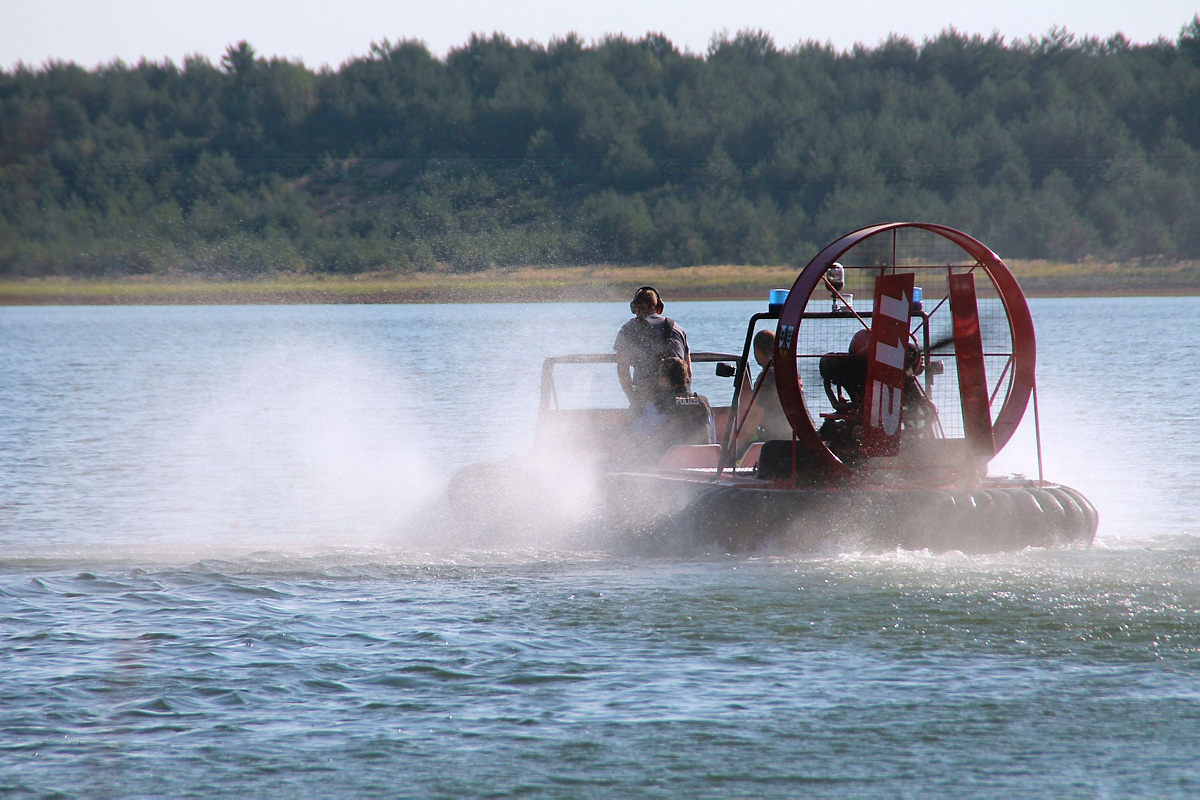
[845, 379]
[766, 415]
[676, 415]
[845, 376]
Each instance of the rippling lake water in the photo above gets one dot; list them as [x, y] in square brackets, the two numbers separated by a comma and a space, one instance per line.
[225, 569]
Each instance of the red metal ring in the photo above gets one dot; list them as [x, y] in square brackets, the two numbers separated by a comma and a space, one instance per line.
[791, 397]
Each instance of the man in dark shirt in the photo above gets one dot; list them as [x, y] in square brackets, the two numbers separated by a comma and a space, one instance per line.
[642, 343]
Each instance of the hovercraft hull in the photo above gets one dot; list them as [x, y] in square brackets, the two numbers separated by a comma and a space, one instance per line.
[743, 515]
[996, 517]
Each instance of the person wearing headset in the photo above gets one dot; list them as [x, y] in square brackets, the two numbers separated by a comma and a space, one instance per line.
[642, 344]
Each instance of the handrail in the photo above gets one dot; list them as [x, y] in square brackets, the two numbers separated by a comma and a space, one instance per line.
[611, 358]
[703, 357]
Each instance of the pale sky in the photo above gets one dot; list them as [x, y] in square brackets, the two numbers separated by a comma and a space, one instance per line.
[91, 32]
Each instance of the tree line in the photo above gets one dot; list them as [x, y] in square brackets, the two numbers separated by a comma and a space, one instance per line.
[622, 151]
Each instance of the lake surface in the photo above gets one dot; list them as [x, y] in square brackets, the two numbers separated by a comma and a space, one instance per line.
[225, 569]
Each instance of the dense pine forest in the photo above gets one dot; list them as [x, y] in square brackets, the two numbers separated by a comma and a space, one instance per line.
[627, 152]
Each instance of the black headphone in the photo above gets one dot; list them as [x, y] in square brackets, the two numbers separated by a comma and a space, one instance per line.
[658, 303]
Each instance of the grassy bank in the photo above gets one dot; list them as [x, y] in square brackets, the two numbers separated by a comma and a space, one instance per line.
[1038, 278]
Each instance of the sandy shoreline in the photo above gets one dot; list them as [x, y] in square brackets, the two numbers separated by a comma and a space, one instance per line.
[550, 284]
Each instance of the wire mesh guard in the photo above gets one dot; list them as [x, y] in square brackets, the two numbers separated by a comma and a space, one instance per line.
[931, 258]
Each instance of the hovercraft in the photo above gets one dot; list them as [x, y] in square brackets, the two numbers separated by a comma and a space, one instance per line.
[896, 407]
